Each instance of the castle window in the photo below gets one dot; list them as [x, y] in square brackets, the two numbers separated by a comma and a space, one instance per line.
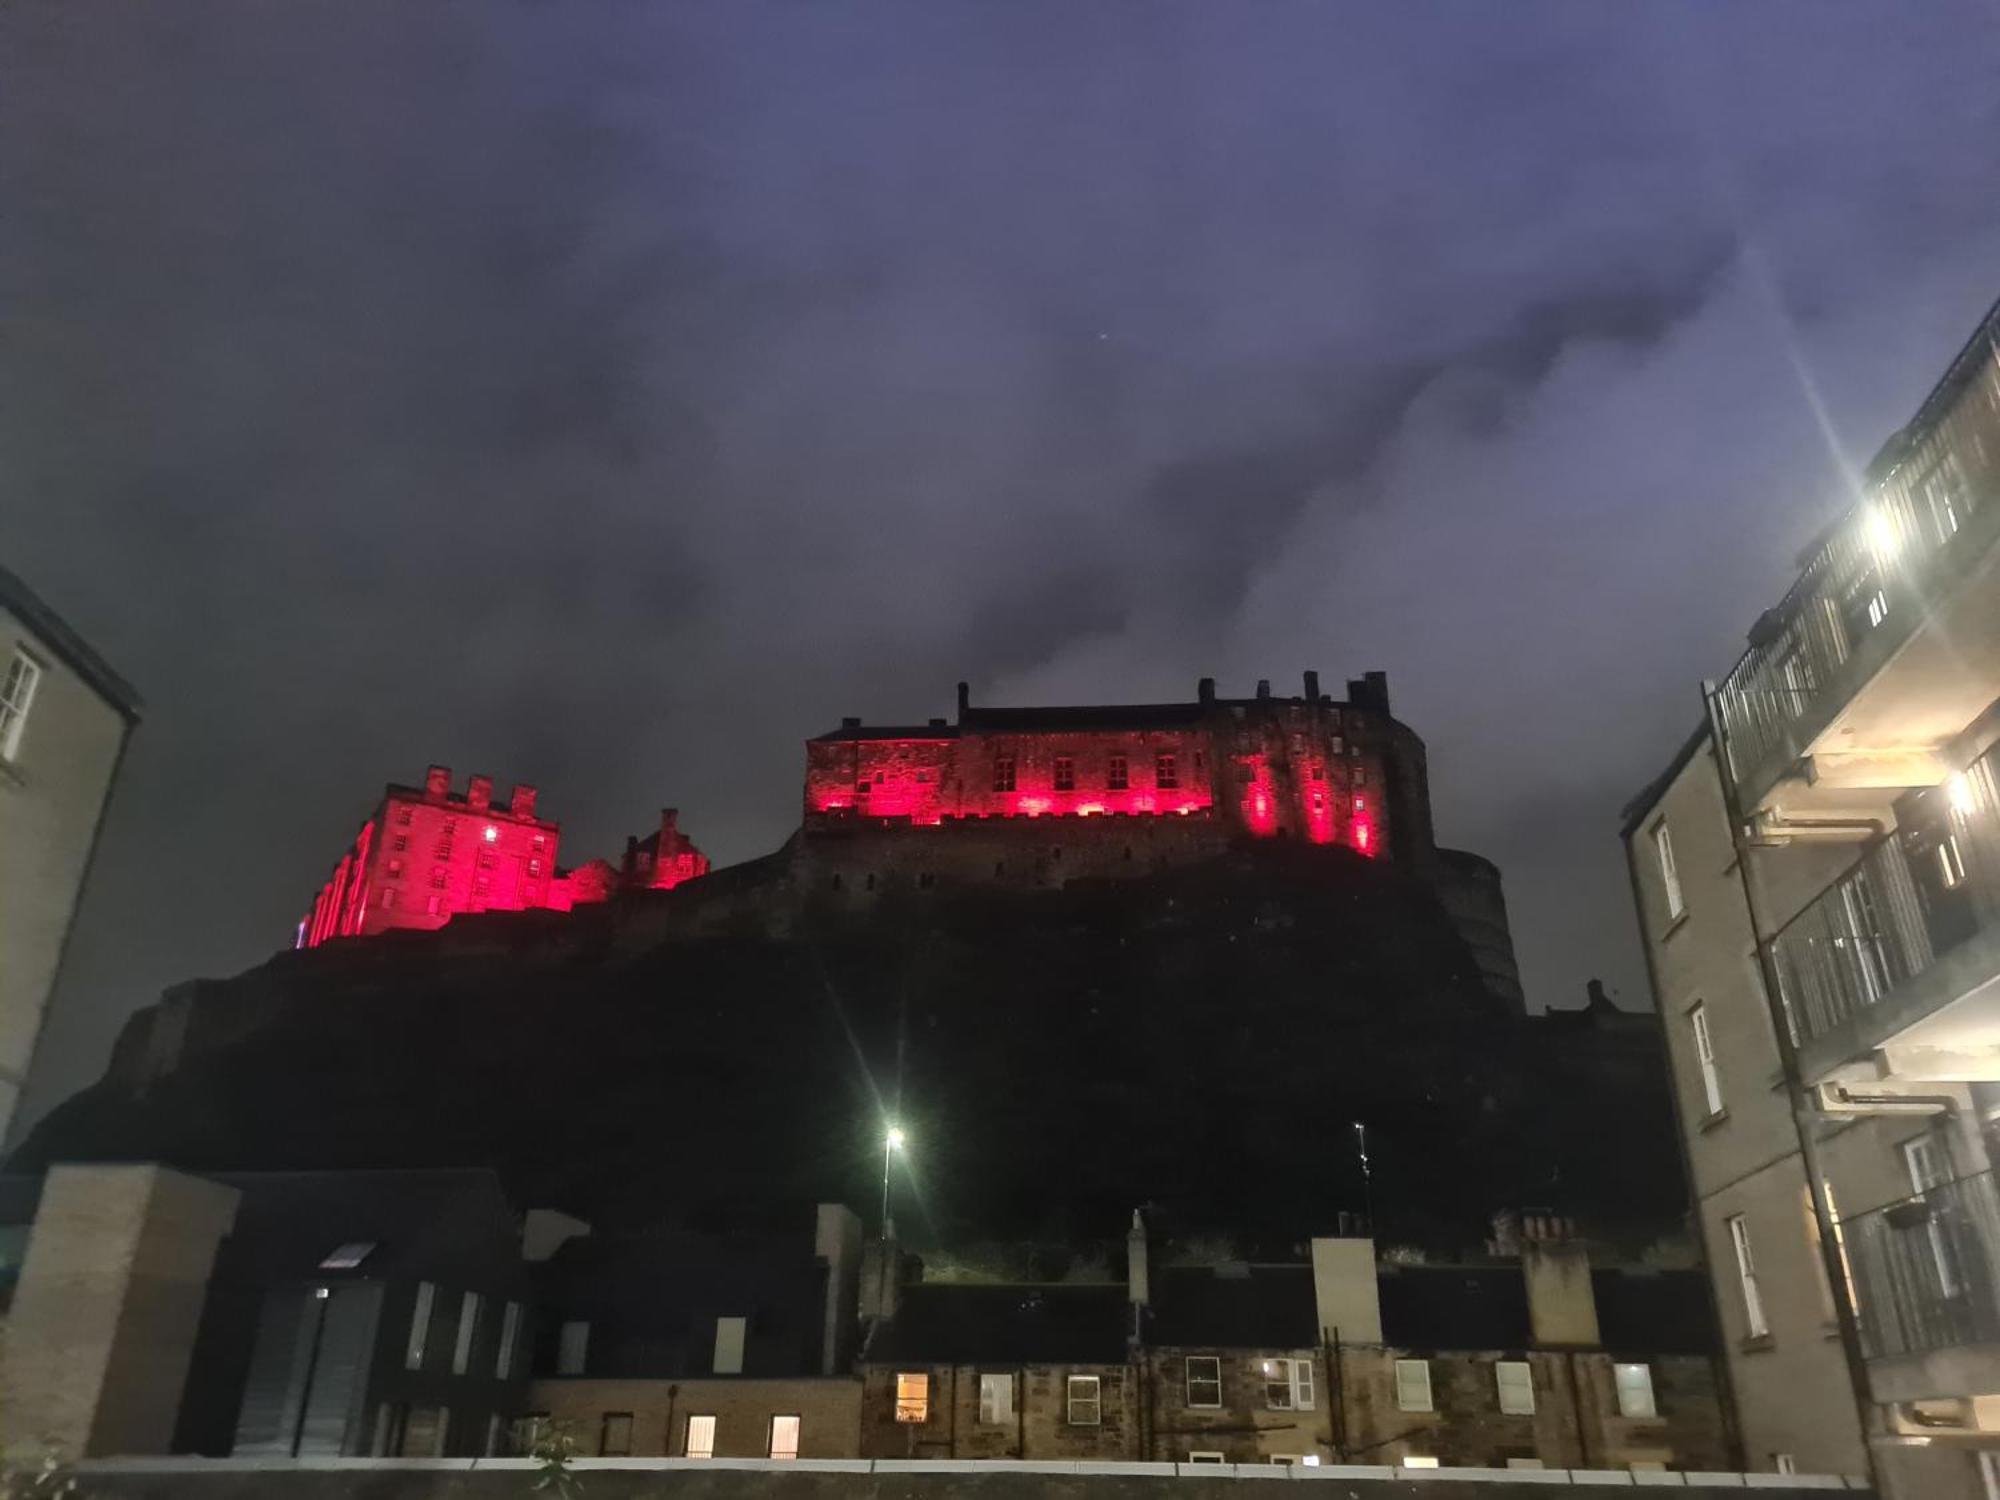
[1065, 774]
[402, 817]
[443, 850]
[1120, 774]
[1318, 771]
[395, 867]
[435, 906]
[539, 841]
[402, 843]
[388, 897]
[1003, 773]
[1166, 773]
[534, 867]
[437, 877]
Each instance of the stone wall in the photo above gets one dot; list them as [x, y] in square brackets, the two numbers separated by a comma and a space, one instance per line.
[828, 1409]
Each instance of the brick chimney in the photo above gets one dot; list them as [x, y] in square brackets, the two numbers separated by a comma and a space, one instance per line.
[670, 832]
[437, 783]
[521, 801]
[1138, 1284]
[1562, 1307]
[1312, 687]
[1204, 692]
[479, 793]
[964, 700]
[1345, 1297]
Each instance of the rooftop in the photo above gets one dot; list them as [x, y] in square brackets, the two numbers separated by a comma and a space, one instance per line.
[55, 633]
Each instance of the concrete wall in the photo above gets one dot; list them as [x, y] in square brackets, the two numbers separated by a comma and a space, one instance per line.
[97, 1343]
[829, 1412]
[52, 795]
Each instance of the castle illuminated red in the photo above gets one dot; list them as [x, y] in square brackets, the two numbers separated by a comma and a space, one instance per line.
[428, 854]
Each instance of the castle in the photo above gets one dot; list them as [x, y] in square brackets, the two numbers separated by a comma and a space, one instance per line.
[1020, 797]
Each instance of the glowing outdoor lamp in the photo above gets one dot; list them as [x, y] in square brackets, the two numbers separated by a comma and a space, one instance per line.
[891, 1144]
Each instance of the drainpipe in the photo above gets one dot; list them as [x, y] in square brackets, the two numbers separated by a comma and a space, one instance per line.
[1801, 1100]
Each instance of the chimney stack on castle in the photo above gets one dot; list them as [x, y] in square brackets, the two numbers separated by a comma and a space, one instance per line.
[437, 783]
[479, 793]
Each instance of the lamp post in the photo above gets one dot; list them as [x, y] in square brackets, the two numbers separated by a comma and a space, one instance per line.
[891, 1144]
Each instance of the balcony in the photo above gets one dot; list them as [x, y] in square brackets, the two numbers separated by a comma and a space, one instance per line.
[1925, 1278]
[1893, 972]
[1888, 644]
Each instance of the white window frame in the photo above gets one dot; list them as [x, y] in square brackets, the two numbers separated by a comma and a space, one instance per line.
[17, 700]
[1408, 1372]
[1704, 1056]
[1087, 1392]
[1206, 1456]
[573, 1347]
[1746, 1277]
[468, 1325]
[1630, 1400]
[783, 1426]
[1521, 1390]
[510, 1335]
[1784, 1463]
[1928, 1161]
[996, 1398]
[1670, 875]
[1420, 1461]
[1190, 1380]
[1288, 1384]
[420, 1326]
[698, 1436]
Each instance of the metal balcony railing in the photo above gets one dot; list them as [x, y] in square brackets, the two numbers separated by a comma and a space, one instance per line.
[1914, 895]
[1925, 1272]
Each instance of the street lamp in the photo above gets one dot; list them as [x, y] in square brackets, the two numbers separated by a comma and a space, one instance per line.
[891, 1144]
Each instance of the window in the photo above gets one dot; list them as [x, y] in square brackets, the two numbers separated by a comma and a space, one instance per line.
[17, 695]
[572, 1348]
[1166, 773]
[1515, 1379]
[614, 1436]
[347, 1257]
[1704, 1053]
[729, 1345]
[1288, 1384]
[1524, 1463]
[1205, 1456]
[468, 1325]
[510, 1334]
[1635, 1390]
[913, 1397]
[1746, 1271]
[1784, 1463]
[1418, 1461]
[1204, 1380]
[1120, 775]
[434, 906]
[996, 1399]
[1413, 1385]
[1085, 1401]
[437, 877]
[1065, 774]
[401, 846]
[1003, 773]
[700, 1442]
[1670, 879]
[784, 1439]
[420, 1326]
[1929, 1166]
[395, 867]
[403, 816]
[388, 899]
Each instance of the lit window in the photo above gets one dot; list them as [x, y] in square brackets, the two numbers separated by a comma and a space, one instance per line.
[17, 695]
[913, 1397]
[1417, 1461]
[1003, 773]
[1119, 776]
[1951, 864]
[1413, 1385]
[1204, 1380]
[1746, 1272]
[347, 1257]
[1166, 773]
[468, 1325]
[572, 1348]
[491, 835]
[1288, 1384]
[614, 1437]
[996, 1399]
[1516, 1381]
[395, 867]
[1085, 1401]
[1704, 1053]
[700, 1437]
[784, 1442]
[434, 906]
[1065, 774]
[510, 1334]
[1670, 879]
[420, 1326]
[1635, 1390]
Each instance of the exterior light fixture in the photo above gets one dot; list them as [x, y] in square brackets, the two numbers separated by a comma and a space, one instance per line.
[1883, 535]
[492, 834]
[891, 1144]
[1959, 791]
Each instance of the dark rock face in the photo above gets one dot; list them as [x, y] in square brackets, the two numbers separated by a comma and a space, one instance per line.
[1200, 1039]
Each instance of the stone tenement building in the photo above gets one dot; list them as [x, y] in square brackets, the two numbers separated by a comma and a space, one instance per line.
[428, 853]
[1040, 796]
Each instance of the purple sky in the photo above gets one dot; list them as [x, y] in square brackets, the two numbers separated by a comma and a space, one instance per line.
[612, 396]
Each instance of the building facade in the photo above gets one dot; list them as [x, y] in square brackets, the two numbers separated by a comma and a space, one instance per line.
[65, 718]
[1817, 875]
[427, 854]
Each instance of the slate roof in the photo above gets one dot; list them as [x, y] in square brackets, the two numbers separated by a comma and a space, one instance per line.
[1653, 1312]
[1454, 1307]
[1234, 1307]
[1020, 1324]
[55, 633]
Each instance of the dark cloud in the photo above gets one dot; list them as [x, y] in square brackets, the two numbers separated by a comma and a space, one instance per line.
[612, 398]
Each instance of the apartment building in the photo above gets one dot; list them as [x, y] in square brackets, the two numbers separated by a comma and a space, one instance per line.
[1817, 875]
[65, 717]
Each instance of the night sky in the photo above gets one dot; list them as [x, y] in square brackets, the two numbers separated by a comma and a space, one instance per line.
[611, 396]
